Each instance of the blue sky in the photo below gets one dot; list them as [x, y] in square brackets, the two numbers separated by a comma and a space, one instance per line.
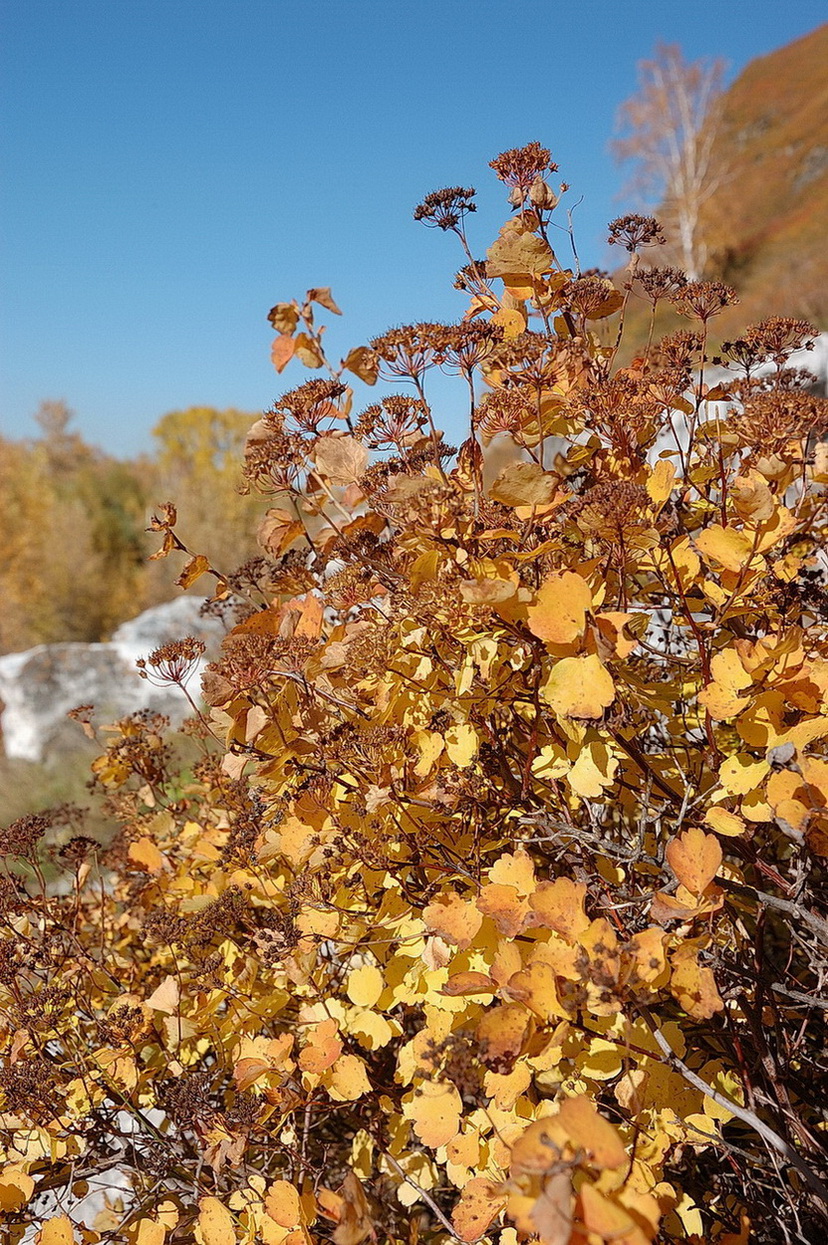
[170, 168]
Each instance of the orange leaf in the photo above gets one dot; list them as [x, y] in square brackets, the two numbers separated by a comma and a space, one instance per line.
[695, 858]
[558, 615]
[282, 351]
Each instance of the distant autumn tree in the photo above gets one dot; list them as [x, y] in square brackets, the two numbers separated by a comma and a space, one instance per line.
[668, 128]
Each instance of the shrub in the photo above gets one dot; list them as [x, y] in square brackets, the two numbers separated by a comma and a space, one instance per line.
[496, 905]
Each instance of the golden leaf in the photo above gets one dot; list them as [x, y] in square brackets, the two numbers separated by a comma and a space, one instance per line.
[505, 906]
[514, 254]
[363, 363]
[695, 858]
[16, 1187]
[283, 1204]
[558, 614]
[146, 855]
[166, 997]
[481, 1201]
[435, 1113]
[559, 905]
[307, 351]
[215, 1223]
[322, 295]
[353, 1213]
[523, 484]
[501, 1032]
[365, 985]
[732, 549]
[193, 570]
[551, 1215]
[461, 743]
[455, 919]
[323, 1048]
[589, 1133]
[348, 1080]
[56, 1231]
[724, 822]
[693, 984]
[579, 687]
[662, 481]
[753, 500]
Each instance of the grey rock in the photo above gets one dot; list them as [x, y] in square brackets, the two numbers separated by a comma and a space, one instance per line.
[40, 686]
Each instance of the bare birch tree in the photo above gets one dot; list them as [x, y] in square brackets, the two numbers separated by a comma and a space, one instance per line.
[669, 129]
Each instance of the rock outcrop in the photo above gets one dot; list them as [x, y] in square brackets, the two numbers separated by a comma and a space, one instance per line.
[40, 686]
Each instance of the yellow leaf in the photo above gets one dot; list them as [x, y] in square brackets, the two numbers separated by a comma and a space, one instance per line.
[593, 772]
[150, 1232]
[435, 1113]
[322, 295]
[501, 1032]
[753, 500]
[340, 459]
[511, 321]
[695, 858]
[16, 1187]
[462, 743]
[559, 612]
[146, 855]
[661, 482]
[365, 985]
[283, 1204]
[307, 351]
[166, 997]
[364, 364]
[724, 822]
[590, 1133]
[57, 1231]
[193, 570]
[480, 1203]
[455, 919]
[348, 1079]
[559, 905]
[725, 545]
[579, 687]
[524, 484]
[514, 869]
[693, 984]
[740, 774]
[215, 1223]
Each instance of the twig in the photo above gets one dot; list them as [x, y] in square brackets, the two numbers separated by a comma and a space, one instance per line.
[427, 1198]
[752, 1120]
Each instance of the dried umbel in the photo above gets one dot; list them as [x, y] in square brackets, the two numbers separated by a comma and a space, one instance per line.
[22, 836]
[778, 337]
[395, 422]
[702, 300]
[410, 351]
[520, 167]
[661, 283]
[446, 209]
[172, 663]
[770, 421]
[634, 232]
[305, 409]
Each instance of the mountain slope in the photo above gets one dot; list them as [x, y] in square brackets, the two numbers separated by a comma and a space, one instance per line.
[767, 223]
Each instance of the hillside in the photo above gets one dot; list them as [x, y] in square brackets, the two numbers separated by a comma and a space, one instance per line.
[767, 224]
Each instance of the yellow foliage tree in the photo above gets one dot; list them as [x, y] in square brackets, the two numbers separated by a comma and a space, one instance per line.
[495, 909]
